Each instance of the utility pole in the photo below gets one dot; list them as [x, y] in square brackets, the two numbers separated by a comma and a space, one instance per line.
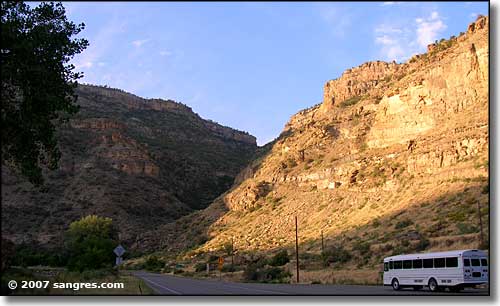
[322, 243]
[232, 254]
[297, 247]
[480, 225]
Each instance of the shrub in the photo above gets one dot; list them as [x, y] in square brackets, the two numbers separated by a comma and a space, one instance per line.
[458, 216]
[275, 274]
[361, 247]
[388, 247]
[464, 228]
[213, 258]
[25, 255]
[200, 267]
[280, 259]
[403, 224]
[335, 254]
[228, 248]
[154, 264]
[228, 268]
[290, 163]
[400, 249]
[251, 273]
[265, 274]
[90, 242]
[486, 189]
[363, 146]
[350, 101]
[423, 244]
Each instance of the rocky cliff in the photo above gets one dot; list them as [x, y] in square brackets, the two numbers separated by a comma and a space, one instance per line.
[142, 162]
[395, 158]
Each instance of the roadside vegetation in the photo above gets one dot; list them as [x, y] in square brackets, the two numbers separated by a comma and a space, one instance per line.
[87, 256]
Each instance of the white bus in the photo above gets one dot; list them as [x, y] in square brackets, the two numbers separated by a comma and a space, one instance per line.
[453, 269]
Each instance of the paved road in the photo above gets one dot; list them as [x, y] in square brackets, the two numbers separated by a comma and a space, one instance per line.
[175, 285]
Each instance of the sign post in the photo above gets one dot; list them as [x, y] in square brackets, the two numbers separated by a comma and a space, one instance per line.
[297, 247]
[119, 251]
[221, 264]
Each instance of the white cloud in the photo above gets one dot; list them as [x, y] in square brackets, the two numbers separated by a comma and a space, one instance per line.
[391, 3]
[392, 42]
[401, 42]
[428, 30]
[138, 43]
[385, 40]
[165, 53]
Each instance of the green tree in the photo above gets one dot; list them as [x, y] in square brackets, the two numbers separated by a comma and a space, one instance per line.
[38, 83]
[90, 242]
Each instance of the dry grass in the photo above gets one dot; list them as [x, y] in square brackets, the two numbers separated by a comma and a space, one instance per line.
[344, 276]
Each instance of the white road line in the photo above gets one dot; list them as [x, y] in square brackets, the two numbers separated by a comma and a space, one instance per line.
[158, 285]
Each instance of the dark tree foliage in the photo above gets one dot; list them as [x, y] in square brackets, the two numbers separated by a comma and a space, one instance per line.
[279, 259]
[37, 83]
[90, 242]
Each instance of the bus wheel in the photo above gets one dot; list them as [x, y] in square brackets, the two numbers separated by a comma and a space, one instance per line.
[395, 284]
[433, 286]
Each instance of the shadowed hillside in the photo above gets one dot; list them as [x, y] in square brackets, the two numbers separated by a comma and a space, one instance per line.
[141, 162]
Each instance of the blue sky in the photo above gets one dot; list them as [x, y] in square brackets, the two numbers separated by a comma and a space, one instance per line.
[252, 65]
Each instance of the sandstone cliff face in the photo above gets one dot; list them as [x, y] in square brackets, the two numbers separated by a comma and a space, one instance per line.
[395, 152]
[141, 162]
[356, 82]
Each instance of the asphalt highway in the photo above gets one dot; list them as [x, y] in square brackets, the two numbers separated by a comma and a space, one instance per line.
[174, 285]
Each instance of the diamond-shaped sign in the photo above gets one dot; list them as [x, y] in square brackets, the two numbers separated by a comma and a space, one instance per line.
[119, 250]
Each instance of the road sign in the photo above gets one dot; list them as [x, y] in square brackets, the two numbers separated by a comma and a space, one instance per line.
[119, 250]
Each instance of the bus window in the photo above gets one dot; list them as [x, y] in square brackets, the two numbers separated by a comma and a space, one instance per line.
[417, 264]
[466, 262]
[475, 262]
[398, 264]
[391, 265]
[428, 263]
[451, 262]
[439, 263]
[386, 266]
[484, 262]
[406, 264]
